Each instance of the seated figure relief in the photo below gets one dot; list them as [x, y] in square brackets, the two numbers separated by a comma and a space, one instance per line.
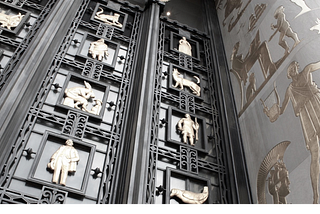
[9, 21]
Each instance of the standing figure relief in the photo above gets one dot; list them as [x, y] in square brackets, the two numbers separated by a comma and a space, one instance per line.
[283, 27]
[305, 98]
[189, 129]
[63, 161]
[184, 46]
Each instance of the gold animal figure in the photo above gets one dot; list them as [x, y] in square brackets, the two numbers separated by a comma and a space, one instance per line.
[10, 21]
[108, 19]
[185, 82]
[191, 197]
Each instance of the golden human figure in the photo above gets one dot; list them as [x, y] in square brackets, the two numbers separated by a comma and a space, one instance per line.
[64, 160]
[184, 46]
[305, 97]
[278, 183]
[187, 126]
[283, 27]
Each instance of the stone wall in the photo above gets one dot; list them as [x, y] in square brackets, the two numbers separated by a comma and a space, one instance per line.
[258, 62]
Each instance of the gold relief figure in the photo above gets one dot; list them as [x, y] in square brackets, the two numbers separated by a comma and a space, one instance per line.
[283, 27]
[180, 81]
[190, 197]
[64, 160]
[184, 46]
[108, 19]
[10, 21]
[98, 49]
[278, 180]
[229, 7]
[233, 23]
[274, 111]
[77, 97]
[305, 97]
[251, 89]
[240, 65]
[278, 183]
[258, 10]
[187, 127]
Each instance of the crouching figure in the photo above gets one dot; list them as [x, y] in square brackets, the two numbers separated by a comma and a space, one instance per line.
[191, 197]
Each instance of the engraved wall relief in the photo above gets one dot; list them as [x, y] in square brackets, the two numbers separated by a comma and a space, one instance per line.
[287, 35]
[260, 52]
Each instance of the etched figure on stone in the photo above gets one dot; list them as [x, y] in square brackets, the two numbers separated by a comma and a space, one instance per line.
[77, 97]
[278, 183]
[241, 65]
[108, 19]
[283, 27]
[189, 197]
[305, 98]
[10, 21]
[189, 129]
[184, 46]
[99, 49]
[229, 7]
[251, 89]
[180, 81]
[63, 161]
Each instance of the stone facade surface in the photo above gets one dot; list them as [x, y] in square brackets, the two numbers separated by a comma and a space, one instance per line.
[261, 39]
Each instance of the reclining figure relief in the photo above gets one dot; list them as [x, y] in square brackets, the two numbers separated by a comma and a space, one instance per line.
[189, 197]
[10, 21]
[108, 19]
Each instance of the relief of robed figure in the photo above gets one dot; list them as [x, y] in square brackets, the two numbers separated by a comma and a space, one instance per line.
[305, 98]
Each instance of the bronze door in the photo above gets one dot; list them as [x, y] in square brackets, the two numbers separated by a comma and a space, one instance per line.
[109, 102]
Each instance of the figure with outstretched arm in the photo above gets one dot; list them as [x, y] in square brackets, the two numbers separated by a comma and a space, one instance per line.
[305, 97]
